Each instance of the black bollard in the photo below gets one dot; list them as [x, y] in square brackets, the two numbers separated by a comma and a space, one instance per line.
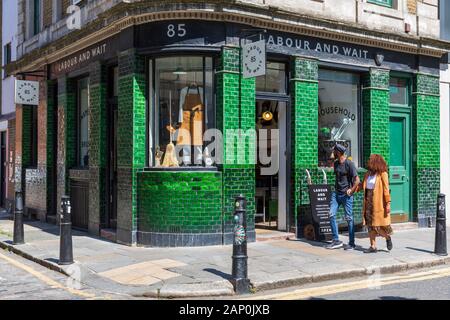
[440, 243]
[240, 280]
[18, 237]
[65, 244]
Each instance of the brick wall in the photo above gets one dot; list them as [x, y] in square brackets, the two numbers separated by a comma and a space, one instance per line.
[11, 159]
[412, 6]
[426, 147]
[35, 178]
[47, 13]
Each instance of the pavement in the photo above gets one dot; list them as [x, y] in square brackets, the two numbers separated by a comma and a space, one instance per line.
[21, 279]
[206, 271]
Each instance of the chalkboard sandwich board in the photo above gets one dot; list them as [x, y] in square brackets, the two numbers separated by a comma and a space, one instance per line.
[319, 195]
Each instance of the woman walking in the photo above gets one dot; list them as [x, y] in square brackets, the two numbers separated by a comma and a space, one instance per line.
[377, 202]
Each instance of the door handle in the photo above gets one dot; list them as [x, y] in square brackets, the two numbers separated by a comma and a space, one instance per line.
[405, 178]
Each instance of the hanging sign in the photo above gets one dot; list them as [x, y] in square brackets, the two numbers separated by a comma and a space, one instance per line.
[254, 59]
[27, 92]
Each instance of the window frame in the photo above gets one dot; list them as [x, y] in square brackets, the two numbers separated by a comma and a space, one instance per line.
[7, 54]
[78, 121]
[37, 17]
[7, 57]
[408, 79]
[152, 104]
[388, 4]
[286, 80]
[359, 110]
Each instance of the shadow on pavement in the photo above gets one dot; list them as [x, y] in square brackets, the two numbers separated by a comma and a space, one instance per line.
[50, 228]
[224, 275]
[420, 250]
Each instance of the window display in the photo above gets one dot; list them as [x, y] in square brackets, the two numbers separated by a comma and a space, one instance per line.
[338, 114]
[183, 110]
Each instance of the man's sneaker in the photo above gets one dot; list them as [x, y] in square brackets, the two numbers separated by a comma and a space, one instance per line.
[336, 244]
[349, 247]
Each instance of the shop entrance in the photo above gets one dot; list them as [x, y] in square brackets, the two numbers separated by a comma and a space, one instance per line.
[271, 181]
[400, 165]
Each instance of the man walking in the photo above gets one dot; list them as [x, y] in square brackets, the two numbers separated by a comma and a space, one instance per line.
[347, 180]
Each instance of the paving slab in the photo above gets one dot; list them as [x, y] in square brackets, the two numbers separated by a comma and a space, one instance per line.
[206, 271]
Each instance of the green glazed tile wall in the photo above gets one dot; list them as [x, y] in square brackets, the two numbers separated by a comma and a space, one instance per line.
[426, 146]
[131, 140]
[234, 91]
[180, 202]
[304, 129]
[97, 146]
[376, 104]
[66, 133]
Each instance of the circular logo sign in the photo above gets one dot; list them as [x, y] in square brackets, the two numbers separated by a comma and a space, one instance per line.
[27, 92]
[254, 59]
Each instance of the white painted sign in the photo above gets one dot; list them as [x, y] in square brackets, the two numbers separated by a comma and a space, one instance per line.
[254, 59]
[27, 92]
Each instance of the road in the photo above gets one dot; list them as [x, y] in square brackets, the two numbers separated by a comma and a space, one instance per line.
[437, 289]
[21, 279]
[427, 284]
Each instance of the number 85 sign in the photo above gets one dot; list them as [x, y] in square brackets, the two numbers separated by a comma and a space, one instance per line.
[178, 30]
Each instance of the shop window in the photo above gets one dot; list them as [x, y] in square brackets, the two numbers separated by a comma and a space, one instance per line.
[275, 79]
[183, 110]
[338, 114]
[386, 3]
[83, 122]
[399, 91]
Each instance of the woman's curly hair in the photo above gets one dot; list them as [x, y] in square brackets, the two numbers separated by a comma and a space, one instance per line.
[376, 164]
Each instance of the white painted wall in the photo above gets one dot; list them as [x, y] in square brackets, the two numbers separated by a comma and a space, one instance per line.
[9, 34]
[445, 135]
[445, 20]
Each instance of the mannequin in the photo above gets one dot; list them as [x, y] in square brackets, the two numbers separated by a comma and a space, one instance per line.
[191, 115]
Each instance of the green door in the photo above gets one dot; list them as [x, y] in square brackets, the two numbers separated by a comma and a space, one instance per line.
[400, 166]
